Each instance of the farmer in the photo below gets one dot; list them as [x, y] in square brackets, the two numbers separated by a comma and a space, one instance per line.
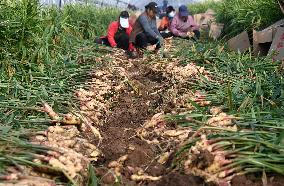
[166, 21]
[183, 24]
[118, 33]
[145, 29]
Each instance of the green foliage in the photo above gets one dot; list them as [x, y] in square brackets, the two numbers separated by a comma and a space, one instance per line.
[33, 34]
[240, 15]
[201, 7]
[40, 47]
[240, 81]
[92, 180]
[45, 53]
[89, 20]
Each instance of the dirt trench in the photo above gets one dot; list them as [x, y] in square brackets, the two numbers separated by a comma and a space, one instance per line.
[138, 103]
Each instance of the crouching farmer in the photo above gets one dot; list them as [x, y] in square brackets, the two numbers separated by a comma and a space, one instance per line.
[145, 31]
[118, 33]
[183, 24]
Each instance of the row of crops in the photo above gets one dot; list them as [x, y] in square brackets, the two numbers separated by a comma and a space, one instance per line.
[40, 48]
[246, 133]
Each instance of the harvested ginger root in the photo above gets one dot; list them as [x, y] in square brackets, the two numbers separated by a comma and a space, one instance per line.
[48, 109]
[136, 177]
[68, 119]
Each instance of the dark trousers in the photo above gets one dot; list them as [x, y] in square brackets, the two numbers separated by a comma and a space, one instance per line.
[166, 35]
[121, 39]
[142, 41]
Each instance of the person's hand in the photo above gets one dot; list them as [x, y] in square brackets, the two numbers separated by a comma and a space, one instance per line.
[183, 35]
[190, 34]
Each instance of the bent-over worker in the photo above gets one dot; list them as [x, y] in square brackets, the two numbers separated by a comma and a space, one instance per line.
[118, 33]
[183, 24]
[145, 29]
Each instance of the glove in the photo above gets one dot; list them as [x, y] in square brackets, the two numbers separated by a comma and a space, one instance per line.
[160, 41]
[131, 47]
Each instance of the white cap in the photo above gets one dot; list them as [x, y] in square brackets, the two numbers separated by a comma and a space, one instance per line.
[124, 23]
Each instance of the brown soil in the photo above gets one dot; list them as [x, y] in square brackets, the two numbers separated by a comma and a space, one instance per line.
[129, 112]
[178, 179]
[256, 180]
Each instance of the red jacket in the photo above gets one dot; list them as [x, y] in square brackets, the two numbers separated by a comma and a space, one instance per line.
[112, 29]
[165, 23]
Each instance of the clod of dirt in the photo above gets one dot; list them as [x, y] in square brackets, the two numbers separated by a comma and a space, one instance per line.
[202, 160]
[107, 177]
[141, 156]
[178, 179]
[255, 180]
[156, 170]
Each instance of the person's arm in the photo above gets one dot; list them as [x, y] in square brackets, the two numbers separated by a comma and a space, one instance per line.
[156, 30]
[173, 28]
[194, 25]
[111, 33]
[146, 26]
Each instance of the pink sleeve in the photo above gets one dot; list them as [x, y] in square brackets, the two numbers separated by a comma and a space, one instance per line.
[173, 27]
[193, 23]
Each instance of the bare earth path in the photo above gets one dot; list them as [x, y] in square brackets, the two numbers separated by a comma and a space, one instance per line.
[135, 104]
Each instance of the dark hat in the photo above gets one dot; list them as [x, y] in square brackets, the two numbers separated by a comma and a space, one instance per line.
[170, 9]
[152, 6]
[183, 11]
[124, 14]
